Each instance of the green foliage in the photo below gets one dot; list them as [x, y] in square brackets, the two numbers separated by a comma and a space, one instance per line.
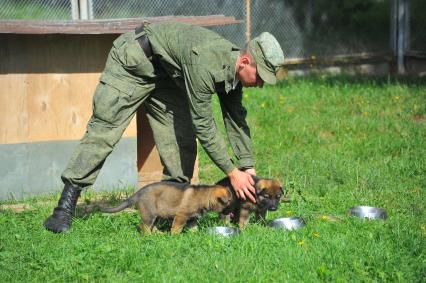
[19, 10]
[352, 16]
[343, 26]
[334, 143]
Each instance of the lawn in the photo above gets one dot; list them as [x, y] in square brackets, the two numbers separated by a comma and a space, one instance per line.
[335, 142]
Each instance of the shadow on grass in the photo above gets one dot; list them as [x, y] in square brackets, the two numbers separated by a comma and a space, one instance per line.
[163, 226]
[93, 204]
[84, 210]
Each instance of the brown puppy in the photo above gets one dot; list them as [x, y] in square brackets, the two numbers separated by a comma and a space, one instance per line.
[268, 195]
[175, 200]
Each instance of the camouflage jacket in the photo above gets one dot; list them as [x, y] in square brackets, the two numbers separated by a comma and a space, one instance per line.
[203, 63]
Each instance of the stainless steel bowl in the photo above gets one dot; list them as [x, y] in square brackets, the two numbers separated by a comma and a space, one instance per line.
[368, 212]
[224, 231]
[287, 223]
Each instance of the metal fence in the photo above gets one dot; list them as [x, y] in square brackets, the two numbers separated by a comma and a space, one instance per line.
[305, 28]
[417, 23]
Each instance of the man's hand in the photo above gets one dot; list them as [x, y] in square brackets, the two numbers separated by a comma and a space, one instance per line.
[242, 182]
[251, 171]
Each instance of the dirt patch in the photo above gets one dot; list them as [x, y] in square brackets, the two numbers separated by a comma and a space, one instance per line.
[419, 118]
[326, 134]
[17, 208]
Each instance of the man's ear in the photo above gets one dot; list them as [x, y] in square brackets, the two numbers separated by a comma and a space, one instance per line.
[243, 60]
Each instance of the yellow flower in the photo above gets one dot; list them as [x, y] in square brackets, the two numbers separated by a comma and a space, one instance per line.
[289, 212]
[301, 243]
[324, 217]
[316, 234]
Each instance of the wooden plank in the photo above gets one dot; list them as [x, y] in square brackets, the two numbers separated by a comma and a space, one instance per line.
[47, 85]
[339, 59]
[13, 108]
[415, 54]
[111, 26]
[47, 107]
[149, 165]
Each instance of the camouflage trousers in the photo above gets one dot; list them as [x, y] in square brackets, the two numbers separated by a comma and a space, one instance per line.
[168, 114]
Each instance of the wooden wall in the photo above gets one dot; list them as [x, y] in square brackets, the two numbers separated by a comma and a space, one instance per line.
[47, 83]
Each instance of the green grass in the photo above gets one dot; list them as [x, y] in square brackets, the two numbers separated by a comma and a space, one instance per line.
[334, 142]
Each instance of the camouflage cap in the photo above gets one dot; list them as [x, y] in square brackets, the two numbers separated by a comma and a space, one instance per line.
[268, 55]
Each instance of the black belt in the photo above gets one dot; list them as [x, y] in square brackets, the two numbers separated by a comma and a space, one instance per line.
[144, 42]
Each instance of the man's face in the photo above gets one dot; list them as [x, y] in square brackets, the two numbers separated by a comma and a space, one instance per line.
[247, 73]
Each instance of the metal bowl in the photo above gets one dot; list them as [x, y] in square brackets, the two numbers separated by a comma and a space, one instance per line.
[368, 212]
[287, 223]
[224, 231]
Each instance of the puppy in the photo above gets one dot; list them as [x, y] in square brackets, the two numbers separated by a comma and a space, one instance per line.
[268, 195]
[178, 201]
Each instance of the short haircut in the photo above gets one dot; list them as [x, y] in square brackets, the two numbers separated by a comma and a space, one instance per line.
[245, 51]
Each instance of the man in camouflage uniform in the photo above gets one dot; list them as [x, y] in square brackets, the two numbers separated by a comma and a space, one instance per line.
[172, 70]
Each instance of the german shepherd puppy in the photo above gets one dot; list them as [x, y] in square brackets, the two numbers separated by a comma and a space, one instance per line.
[179, 201]
[268, 195]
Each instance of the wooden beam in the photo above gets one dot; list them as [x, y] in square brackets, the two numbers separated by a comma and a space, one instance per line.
[415, 54]
[110, 26]
[339, 59]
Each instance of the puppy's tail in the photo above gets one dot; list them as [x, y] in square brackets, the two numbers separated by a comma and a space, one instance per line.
[125, 204]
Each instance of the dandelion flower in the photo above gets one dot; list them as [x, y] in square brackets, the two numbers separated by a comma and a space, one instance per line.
[324, 217]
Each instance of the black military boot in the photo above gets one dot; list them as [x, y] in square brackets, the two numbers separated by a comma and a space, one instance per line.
[60, 220]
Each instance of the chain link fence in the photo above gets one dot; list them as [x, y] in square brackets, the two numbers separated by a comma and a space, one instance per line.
[156, 8]
[35, 9]
[305, 28]
[417, 16]
[315, 28]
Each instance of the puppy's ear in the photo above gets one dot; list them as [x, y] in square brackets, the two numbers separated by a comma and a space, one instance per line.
[255, 178]
[258, 188]
[260, 185]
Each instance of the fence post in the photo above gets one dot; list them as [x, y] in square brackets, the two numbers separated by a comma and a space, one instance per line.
[400, 32]
[90, 8]
[86, 9]
[75, 14]
[247, 21]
